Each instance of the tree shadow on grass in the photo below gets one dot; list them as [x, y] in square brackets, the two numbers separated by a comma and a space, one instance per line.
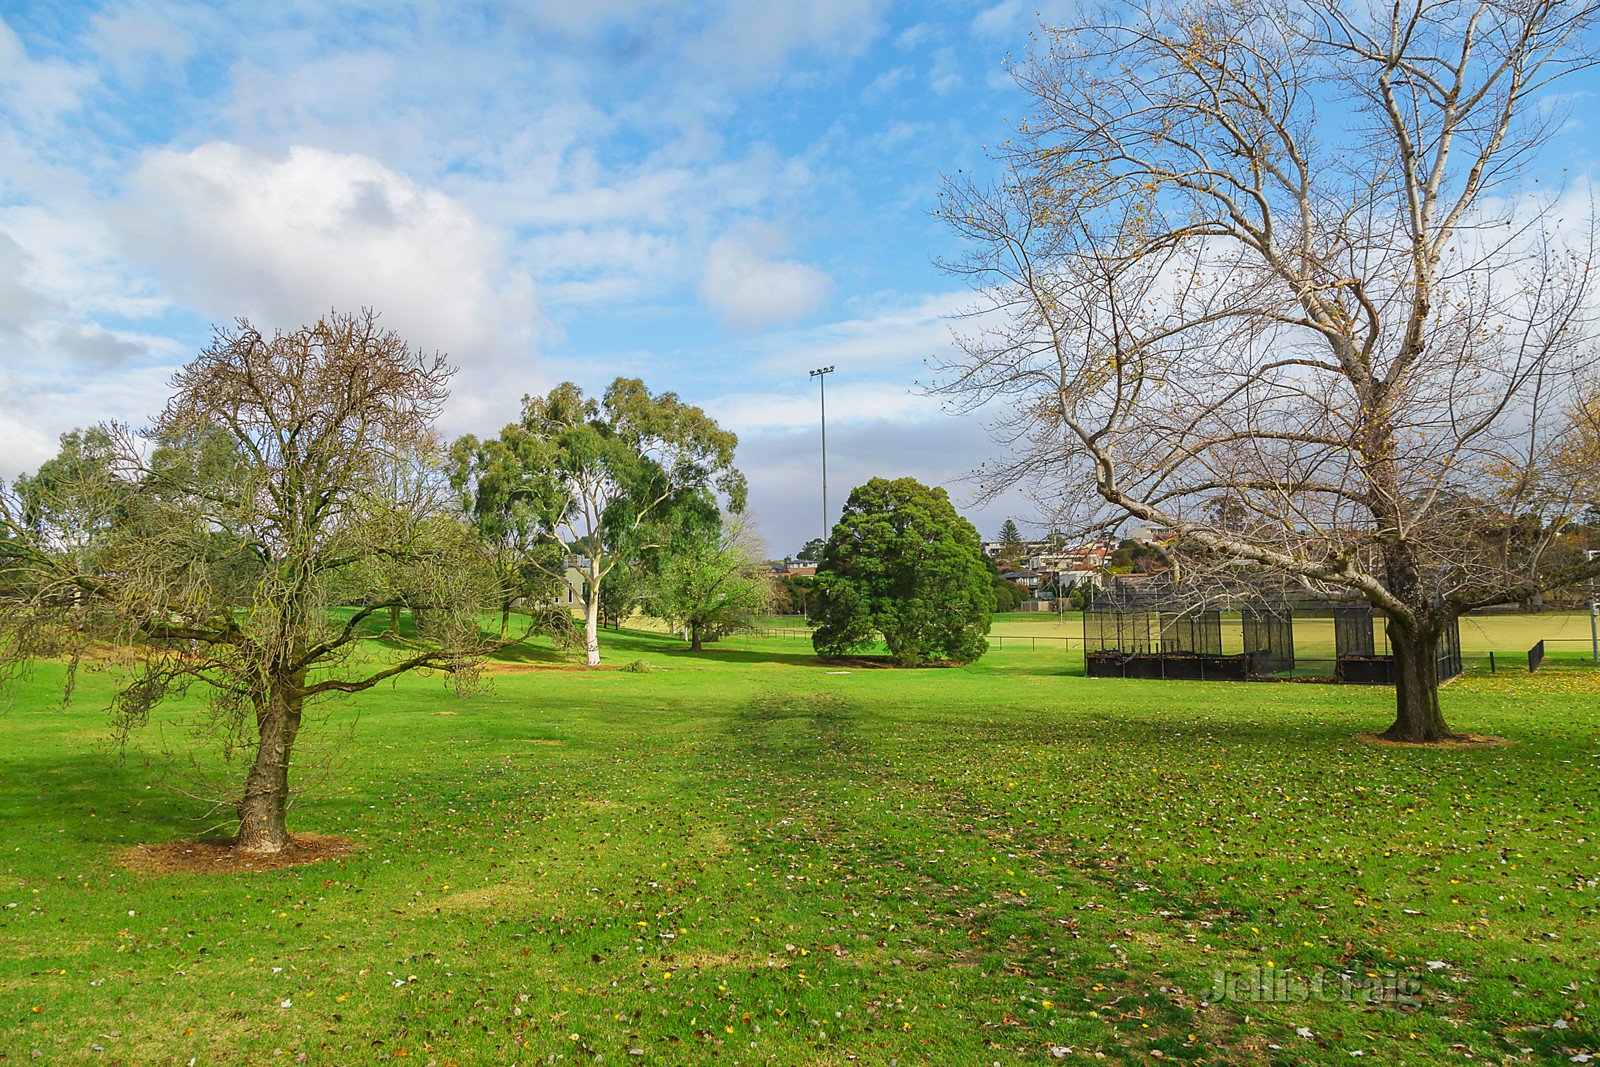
[740, 656]
[92, 798]
[530, 653]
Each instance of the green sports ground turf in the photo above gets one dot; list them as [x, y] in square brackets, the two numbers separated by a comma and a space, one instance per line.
[748, 857]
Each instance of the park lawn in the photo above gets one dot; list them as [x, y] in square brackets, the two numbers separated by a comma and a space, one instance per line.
[748, 857]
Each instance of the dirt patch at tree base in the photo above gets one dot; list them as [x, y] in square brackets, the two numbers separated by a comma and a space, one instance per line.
[221, 857]
[1453, 741]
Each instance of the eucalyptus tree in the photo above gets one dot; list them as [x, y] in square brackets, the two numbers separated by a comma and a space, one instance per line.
[527, 567]
[287, 494]
[1285, 263]
[603, 481]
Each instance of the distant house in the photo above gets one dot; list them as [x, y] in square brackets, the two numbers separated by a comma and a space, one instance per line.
[992, 549]
[1023, 576]
[575, 584]
[1147, 534]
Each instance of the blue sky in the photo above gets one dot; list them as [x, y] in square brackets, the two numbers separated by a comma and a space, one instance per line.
[714, 196]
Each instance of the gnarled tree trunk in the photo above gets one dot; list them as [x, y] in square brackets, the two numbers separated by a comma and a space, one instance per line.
[1414, 643]
[263, 825]
[1416, 685]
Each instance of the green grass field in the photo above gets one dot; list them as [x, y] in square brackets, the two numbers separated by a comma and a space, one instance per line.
[748, 857]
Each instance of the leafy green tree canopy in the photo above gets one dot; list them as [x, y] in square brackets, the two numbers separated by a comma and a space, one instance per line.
[605, 481]
[902, 563]
[811, 551]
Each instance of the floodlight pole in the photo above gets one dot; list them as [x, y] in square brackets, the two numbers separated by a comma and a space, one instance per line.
[821, 374]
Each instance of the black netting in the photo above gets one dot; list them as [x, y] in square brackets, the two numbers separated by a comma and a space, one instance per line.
[1449, 654]
[1111, 629]
[1268, 639]
[1352, 630]
[1147, 631]
[1197, 632]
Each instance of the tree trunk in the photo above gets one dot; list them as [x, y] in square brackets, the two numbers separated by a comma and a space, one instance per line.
[505, 620]
[394, 620]
[591, 626]
[1414, 643]
[1416, 687]
[695, 644]
[262, 812]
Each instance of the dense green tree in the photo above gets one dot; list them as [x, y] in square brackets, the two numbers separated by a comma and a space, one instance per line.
[903, 564]
[712, 582]
[621, 592]
[1008, 595]
[811, 551]
[528, 568]
[793, 594]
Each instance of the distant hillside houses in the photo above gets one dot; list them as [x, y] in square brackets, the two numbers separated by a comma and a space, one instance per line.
[1055, 545]
[1046, 568]
[1049, 568]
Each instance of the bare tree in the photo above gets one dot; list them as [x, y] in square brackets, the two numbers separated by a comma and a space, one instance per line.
[289, 475]
[1265, 272]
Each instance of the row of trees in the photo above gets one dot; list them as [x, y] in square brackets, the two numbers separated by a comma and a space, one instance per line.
[294, 493]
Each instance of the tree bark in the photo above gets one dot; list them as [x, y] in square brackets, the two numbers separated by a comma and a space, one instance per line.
[394, 620]
[263, 825]
[695, 644]
[1414, 644]
[1416, 687]
[591, 626]
[505, 619]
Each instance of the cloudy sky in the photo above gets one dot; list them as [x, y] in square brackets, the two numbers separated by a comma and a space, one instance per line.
[714, 196]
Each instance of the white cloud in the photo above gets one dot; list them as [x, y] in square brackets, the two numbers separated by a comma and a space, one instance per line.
[855, 402]
[48, 399]
[749, 289]
[1014, 19]
[148, 33]
[749, 43]
[283, 238]
[897, 332]
[36, 91]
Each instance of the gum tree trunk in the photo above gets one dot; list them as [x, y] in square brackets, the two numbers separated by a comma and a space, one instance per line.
[263, 825]
[591, 626]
